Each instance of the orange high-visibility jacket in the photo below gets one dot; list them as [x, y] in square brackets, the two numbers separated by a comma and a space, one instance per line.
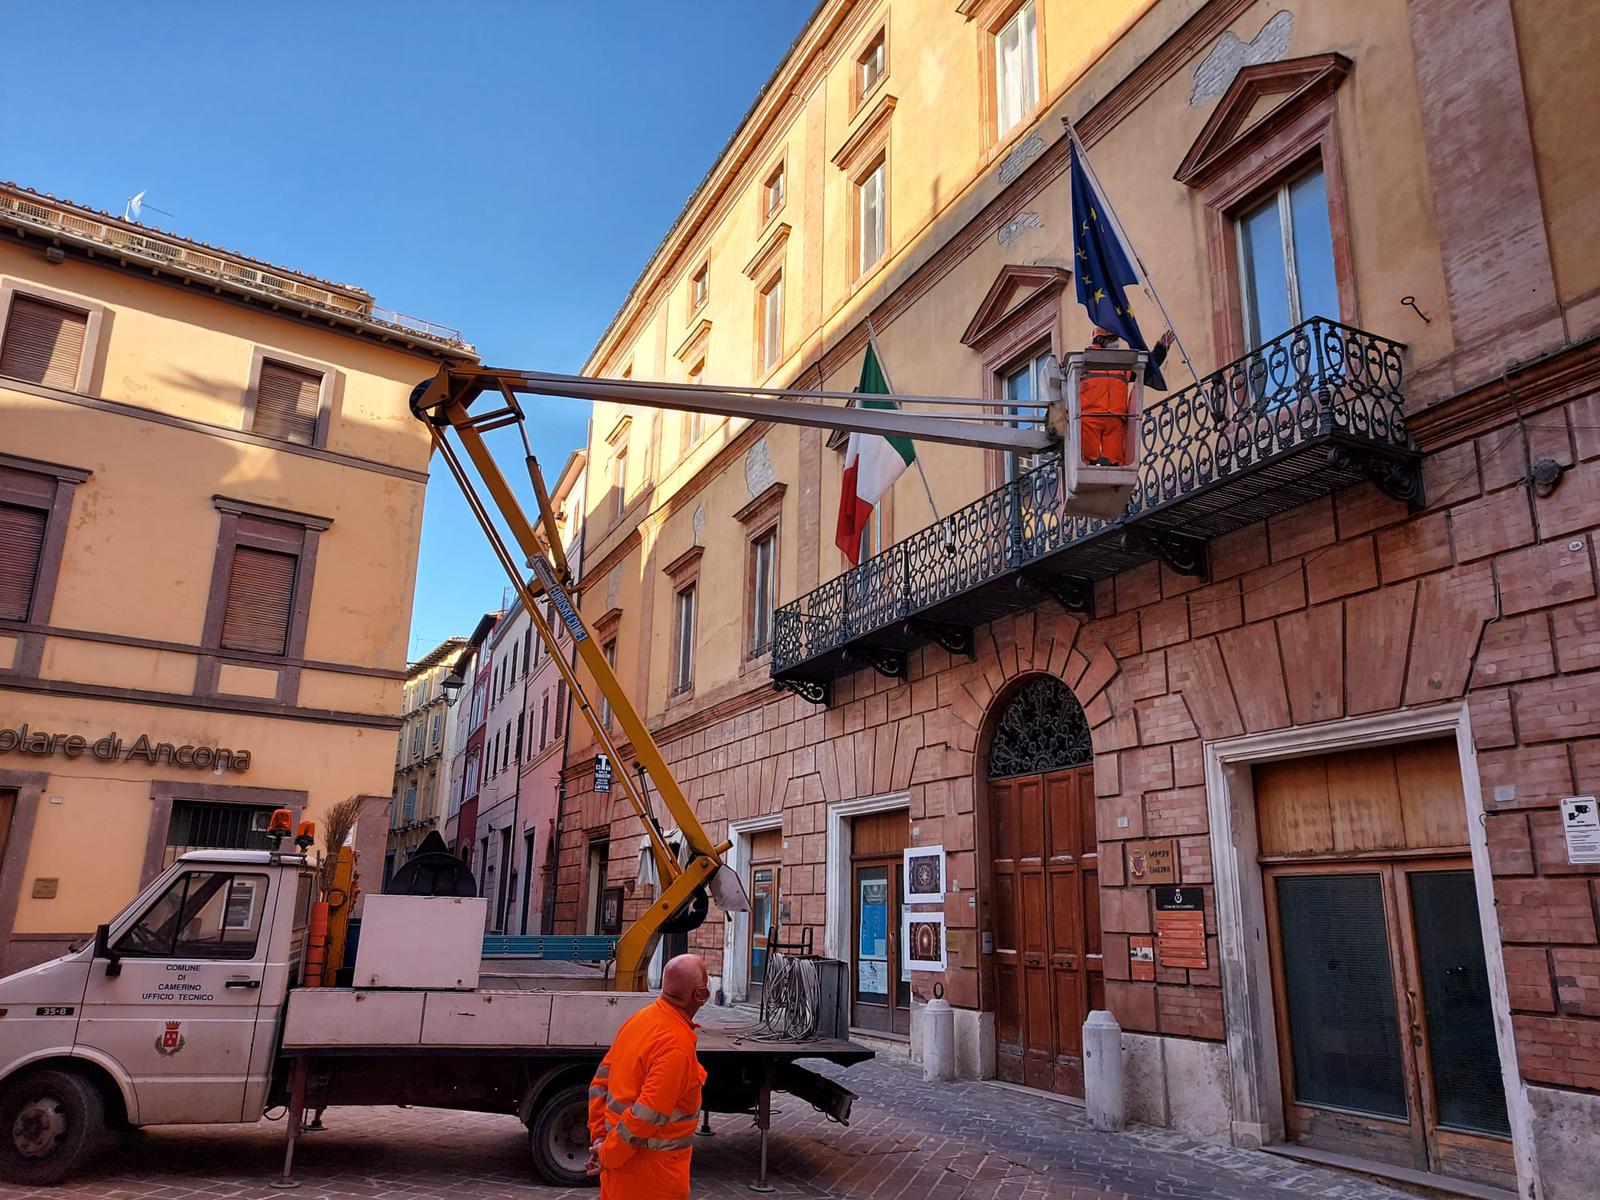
[1102, 403]
[643, 1102]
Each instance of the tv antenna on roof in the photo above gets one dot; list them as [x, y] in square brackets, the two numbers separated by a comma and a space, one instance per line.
[135, 205]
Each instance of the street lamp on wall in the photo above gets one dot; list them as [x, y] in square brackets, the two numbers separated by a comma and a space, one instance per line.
[452, 689]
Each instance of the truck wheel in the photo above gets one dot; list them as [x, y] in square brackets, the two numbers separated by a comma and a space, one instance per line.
[559, 1135]
[49, 1121]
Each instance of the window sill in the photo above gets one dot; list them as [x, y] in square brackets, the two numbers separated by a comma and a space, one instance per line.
[867, 277]
[759, 664]
[768, 220]
[283, 441]
[1005, 142]
[861, 100]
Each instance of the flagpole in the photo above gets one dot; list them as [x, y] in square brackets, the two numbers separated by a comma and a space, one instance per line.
[872, 341]
[1127, 243]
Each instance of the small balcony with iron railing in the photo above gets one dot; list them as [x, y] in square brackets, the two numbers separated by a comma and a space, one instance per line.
[1316, 409]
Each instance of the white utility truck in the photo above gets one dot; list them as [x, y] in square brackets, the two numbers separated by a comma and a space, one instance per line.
[189, 1008]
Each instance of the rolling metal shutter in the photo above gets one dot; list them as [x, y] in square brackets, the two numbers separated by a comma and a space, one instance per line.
[260, 601]
[43, 343]
[21, 542]
[287, 400]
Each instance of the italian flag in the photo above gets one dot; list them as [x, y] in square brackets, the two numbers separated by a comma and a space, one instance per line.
[871, 462]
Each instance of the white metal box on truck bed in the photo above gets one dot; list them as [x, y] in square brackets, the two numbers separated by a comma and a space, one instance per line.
[421, 942]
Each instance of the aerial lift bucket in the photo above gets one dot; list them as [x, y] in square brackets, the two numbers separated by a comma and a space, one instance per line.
[1102, 446]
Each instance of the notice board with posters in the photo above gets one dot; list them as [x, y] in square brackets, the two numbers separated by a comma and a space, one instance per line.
[1181, 926]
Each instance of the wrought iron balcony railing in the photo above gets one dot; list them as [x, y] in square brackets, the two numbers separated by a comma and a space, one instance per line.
[1317, 408]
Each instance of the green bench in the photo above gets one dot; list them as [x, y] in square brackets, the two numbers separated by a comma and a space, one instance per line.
[551, 947]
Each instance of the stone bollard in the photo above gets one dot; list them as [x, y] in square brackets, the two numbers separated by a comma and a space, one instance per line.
[1102, 1072]
[938, 1039]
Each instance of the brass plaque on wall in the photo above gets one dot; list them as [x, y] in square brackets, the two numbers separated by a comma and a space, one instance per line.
[1153, 860]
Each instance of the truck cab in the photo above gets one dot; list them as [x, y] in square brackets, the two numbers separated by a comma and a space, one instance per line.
[170, 1015]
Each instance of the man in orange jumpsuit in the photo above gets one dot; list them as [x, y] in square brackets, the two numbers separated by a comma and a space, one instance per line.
[1103, 405]
[644, 1099]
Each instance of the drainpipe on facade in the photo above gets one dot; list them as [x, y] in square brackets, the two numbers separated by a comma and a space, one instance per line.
[516, 797]
[547, 919]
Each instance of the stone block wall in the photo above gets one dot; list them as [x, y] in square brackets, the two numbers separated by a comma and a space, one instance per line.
[1345, 606]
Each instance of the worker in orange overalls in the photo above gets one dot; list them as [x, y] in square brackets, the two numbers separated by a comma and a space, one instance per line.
[645, 1097]
[1103, 404]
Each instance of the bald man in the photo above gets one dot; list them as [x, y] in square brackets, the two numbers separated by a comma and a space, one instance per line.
[645, 1097]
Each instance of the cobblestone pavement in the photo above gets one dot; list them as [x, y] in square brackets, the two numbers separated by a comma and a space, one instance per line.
[964, 1141]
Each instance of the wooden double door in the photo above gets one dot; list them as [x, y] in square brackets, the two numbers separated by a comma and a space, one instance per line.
[1045, 908]
[1386, 1034]
[1385, 1026]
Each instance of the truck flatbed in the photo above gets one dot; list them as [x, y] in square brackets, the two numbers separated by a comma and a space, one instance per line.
[350, 1022]
[508, 1051]
[731, 1032]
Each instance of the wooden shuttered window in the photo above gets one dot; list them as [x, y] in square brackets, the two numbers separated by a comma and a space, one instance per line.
[260, 605]
[43, 343]
[21, 543]
[287, 402]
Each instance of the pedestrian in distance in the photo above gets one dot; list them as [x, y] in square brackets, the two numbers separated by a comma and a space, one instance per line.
[645, 1096]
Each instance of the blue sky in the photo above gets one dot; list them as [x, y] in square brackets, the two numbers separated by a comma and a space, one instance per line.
[505, 168]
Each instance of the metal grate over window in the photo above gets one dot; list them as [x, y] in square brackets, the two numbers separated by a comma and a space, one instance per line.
[1042, 728]
[199, 826]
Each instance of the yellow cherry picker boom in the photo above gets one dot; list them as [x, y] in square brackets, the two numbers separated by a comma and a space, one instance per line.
[446, 403]
[214, 954]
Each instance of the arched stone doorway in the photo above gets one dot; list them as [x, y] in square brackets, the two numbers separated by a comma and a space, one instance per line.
[1044, 886]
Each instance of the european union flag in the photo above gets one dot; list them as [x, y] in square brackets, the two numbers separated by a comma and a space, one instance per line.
[1103, 270]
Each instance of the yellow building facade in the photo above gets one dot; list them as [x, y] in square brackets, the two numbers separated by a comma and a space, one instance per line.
[1341, 639]
[212, 492]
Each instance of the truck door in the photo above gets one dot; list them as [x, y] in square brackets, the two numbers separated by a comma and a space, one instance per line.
[176, 1002]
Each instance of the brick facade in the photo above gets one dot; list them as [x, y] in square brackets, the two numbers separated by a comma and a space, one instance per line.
[1343, 607]
[1345, 620]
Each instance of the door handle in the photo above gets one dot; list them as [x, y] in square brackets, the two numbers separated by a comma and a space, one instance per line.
[242, 983]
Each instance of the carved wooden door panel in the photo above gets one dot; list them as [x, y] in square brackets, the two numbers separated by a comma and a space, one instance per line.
[1046, 907]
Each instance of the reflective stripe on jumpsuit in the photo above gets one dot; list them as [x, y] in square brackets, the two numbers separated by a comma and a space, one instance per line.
[644, 1102]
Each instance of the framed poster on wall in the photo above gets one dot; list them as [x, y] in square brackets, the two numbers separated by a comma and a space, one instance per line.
[922, 934]
[924, 871]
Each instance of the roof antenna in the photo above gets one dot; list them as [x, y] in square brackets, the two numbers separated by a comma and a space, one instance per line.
[135, 206]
